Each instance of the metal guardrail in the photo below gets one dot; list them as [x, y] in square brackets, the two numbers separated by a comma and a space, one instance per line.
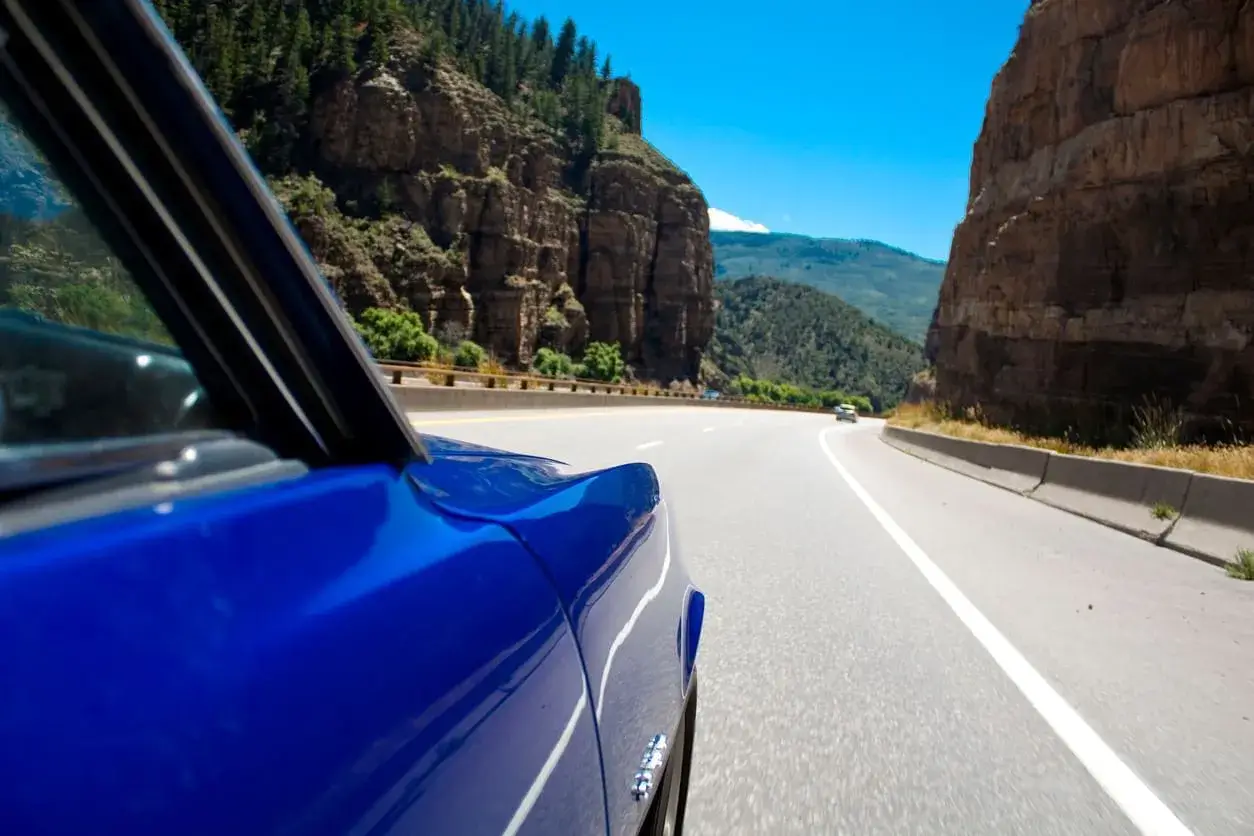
[445, 376]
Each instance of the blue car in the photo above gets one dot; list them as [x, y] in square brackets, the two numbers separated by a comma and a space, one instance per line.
[239, 594]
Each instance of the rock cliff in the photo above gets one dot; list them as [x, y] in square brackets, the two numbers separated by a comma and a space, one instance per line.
[482, 222]
[1106, 252]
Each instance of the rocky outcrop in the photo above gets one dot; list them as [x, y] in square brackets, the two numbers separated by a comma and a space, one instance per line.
[520, 245]
[625, 104]
[1108, 245]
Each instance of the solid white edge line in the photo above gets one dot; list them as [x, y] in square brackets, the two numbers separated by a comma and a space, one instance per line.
[649, 444]
[1146, 811]
[542, 777]
[708, 430]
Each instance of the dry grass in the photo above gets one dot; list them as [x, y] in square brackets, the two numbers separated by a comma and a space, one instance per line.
[438, 378]
[1226, 460]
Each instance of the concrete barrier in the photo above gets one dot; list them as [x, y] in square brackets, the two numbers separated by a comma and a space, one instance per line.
[1212, 517]
[1217, 519]
[440, 398]
[450, 398]
[1015, 467]
[1008, 466]
[1120, 494]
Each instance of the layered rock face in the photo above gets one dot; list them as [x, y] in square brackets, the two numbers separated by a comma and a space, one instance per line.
[524, 248]
[625, 104]
[1107, 253]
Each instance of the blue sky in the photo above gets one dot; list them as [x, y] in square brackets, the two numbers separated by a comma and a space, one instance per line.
[832, 118]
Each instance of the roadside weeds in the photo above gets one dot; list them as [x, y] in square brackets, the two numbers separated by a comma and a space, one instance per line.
[1233, 460]
[1242, 566]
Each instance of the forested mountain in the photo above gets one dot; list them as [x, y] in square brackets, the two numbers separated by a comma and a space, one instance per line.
[776, 330]
[892, 286]
[263, 59]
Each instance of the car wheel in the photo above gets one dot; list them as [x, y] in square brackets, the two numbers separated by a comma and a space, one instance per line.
[666, 816]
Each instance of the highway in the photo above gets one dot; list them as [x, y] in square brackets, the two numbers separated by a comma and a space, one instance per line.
[892, 648]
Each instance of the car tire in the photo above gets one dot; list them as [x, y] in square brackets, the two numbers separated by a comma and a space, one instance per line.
[670, 805]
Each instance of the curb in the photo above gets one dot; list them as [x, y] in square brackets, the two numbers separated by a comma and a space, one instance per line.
[1214, 514]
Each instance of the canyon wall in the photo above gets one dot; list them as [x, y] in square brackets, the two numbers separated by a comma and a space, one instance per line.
[1106, 252]
[483, 221]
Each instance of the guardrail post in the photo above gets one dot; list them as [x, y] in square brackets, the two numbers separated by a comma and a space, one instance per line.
[574, 387]
[396, 377]
[449, 379]
[552, 386]
[522, 384]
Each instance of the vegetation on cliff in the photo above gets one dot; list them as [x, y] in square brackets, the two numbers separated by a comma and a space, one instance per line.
[399, 335]
[767, 329]
[890, 285]
[264, 60]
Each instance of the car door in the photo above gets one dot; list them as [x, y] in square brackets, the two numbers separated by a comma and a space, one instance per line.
[225, 607]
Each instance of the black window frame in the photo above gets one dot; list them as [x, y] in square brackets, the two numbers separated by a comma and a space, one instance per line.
[198, 228]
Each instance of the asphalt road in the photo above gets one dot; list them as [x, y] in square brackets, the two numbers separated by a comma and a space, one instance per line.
[892, 648]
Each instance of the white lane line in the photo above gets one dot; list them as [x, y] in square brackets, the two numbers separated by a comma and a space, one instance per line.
[708, 430]
[649, 444]
[542, 777]
[650, 594]
[1146, 811]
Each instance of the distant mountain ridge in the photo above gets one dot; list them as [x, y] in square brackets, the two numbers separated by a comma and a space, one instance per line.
[891, 285]
[786, 331]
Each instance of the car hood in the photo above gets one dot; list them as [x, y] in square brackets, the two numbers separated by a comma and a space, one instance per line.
[575, 522]
[442, 448]
[480, 482]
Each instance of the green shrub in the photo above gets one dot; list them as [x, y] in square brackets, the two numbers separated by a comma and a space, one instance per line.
[769, 391]
[604, 361]
[552, 363]
[861, 403]
[1242, 566]
[469, 355]
[396, 335]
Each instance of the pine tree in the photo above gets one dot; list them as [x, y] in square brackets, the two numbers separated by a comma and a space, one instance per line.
[343, 48]
[540, 37]
[523, 52]
[606, 70]
[585, 62]
[377, 32]
[563, 53]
